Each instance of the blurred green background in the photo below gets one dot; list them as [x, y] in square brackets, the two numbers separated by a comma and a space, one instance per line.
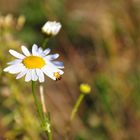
[99, 44]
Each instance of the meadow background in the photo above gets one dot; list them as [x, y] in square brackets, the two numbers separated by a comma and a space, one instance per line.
[99, 44]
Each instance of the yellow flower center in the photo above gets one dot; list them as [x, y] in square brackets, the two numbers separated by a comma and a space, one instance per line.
[32, 62]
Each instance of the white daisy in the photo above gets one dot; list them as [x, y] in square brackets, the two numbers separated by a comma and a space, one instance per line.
[33, 65]
[51, 28]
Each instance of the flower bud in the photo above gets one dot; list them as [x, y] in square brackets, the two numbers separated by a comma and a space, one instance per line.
[85, 88]
[51, 28]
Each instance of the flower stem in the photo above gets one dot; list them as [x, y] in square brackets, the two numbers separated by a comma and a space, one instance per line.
[49, 129]
[45, 42]
[37, 103]
[44, 119]
[76, 106]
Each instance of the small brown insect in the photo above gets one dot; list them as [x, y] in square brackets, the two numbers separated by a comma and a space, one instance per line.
[57, 76]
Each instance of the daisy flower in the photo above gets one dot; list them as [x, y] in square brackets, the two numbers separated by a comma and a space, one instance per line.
[33, 65]
[51, 28]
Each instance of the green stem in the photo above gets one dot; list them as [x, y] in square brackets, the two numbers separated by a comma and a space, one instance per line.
[76, 106]
[37, 103]
[45, 42]
[49, 122]
[44, 119]
[47, 125]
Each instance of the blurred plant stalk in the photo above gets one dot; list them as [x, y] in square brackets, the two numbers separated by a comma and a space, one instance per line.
[85, 89]
[76, 106]
[42, 98]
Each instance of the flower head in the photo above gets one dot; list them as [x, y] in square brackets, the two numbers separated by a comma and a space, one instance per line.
[33, 65]
[51, 28]
[85, 88]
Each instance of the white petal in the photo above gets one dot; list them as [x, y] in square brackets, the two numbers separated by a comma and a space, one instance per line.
[16, 54]
[7, 68]
[34, 76]
[58, 64]
[56, 28]
[46, 51]
[25, 51]
[53, 68]
[28, 76]
[40, 50]
[52, 56]
[34, 50]
[14, 69]
[16, 61]
[48, 72]
[21, 74]
[40, 75]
